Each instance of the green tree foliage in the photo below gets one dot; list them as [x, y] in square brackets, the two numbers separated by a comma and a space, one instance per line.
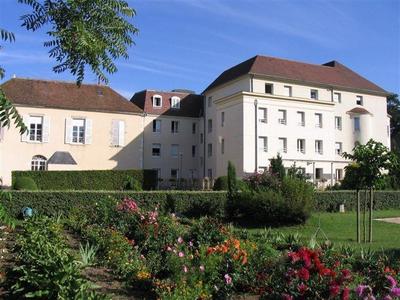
[232, 184]
[393, 107]
[277, 167]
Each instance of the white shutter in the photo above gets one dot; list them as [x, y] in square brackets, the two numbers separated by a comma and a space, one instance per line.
[68, 130]
[46, 129]
[24, 137]
[121, 133]
[88, 131]
[114, 133]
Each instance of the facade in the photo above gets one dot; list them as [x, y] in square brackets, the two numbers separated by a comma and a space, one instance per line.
[309, 114]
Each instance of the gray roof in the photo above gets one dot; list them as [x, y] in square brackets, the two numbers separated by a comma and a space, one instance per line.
[61, 158]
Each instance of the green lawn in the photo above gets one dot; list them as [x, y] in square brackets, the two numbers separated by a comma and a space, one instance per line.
[340, 228]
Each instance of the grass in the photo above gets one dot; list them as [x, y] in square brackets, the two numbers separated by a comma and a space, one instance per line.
[340, 228]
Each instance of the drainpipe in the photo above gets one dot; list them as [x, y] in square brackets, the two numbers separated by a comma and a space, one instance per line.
[143, 128]
[256, 134]
[251, 83]
[331, 173]
[204, 135]
[314, 177]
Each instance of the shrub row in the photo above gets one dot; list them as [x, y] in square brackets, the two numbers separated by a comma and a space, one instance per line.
[88, 180]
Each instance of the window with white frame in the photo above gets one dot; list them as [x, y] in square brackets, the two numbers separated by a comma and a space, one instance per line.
[157, 126]
[262, 169]
[174, 126]
[175, 102]
[338, 148]
[282, 145]
[357, 125]
[209, 173]
[78, 131]
[35, 128]
[339, 174]
[319, 147]
[359, 100]
[156, 150]
[174, 150]
[157, 101]
[269, 88]
[209, 150]
[193, 150]
[222, 146]
[337, 97]
[38, 163]
[301, 146]
[282, 116]
[194, 128]
[222, 118]
[262, 115]
[158, 173]
[301, 118]
[209, 101]
[263, 143]
[314, 94]
[319, 173]
[318, 120]
[287, 90]
[209, 125]
[338, 123]
[118, 133]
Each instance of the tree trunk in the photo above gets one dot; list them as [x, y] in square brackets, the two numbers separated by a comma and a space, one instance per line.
[358, 217]
[371, 201]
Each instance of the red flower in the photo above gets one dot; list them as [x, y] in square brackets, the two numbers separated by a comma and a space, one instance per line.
[325, 271]
[334, 289]
[304, 274]
[287, 297]
[346, 274]
[302, 288]
[346, 294]
[294, 256]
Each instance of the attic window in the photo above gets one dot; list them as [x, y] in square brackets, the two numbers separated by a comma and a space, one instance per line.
[157, 101]
[175, 102]
[269, 88]
[100, 92]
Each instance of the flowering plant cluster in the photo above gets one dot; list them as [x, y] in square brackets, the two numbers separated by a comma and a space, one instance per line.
[231, 246]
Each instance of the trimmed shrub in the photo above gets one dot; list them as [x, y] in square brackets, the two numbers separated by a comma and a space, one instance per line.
[24, 183]
[89, 180]
[221, 184]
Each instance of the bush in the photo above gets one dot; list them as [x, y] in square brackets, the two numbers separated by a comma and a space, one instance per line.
[132, 184]
[24, 183]
[221, 184]
[88, 180]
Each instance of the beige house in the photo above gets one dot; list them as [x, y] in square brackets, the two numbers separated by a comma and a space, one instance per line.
[70, 128]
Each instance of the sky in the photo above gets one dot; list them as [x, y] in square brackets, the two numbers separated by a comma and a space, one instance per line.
[188, 43]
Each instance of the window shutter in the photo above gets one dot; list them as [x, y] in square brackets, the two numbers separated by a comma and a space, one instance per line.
[114, 133]
[24, 137]
[46, 129]
[68, 130]
[121, 133]
[88, 131]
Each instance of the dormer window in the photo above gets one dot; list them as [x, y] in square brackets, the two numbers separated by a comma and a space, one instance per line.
[157, 101]
[175, 102]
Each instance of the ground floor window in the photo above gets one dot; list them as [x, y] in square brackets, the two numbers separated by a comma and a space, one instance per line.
[174, 174]
[38, 163]
[339, 174]
[318, 173]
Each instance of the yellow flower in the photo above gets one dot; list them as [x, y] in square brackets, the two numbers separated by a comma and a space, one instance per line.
[143, 275]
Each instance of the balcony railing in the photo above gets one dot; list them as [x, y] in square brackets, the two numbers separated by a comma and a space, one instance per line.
[301, 150]
[302, 123]
[282, 121]
[318, 125]
[263, 149]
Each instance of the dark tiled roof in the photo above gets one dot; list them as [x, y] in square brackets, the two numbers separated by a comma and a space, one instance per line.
[66, 95]
[358, 110]
[330, 74]
[190, 105]
[61, 158]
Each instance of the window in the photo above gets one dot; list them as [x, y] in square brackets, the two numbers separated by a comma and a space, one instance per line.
[318, 120]
[287, 89]
[38, 163]
[209, 173]
[209, 150]
[175, 174]
[35, 128]
[356, 123]
[262, 115]
[156, 125]
[301, 146]
[158, 173]
[118, 133]
[282, 116]
[262, 169]
[269, 88]
[174, 150]
[338, 148]
[319, 147]
[157, 101]
[175, 102]
[209, 125]
[209, 101]
[338, 123]
[78, 131]
[337, 97]
[194, 128]
[193, 150]
[263, 143]
[201, 138]
[222, 146]
[359, 100]
[314, 94]
[319, 173]
[156, 150]
[222, 119]
[174, 126]
[282, 145]
[339, 174]
[301, 118]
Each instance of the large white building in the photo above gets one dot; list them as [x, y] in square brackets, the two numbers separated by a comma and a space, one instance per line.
[263, 106]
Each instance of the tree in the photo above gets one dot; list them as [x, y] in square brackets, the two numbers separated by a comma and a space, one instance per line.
[371, 160]
[276, 167]
[393, 108]
[232, 189]
[83, 34]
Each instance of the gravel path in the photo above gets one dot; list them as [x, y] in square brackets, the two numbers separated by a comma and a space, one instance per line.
[390, 220]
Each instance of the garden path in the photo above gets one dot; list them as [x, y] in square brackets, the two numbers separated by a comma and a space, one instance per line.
[390, 220]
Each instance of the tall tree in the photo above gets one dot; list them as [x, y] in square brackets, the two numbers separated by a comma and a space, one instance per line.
[83, 34]
[393, 108]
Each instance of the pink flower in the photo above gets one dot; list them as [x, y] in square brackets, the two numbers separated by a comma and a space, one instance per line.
[392, 281]
[334, 289]
[395, 292]
[180, 240]
[185, 269]
[302, 288]
[201, 268]
[228, 279]
[287, 297]
[346, 294]
[169, 248]
[181, 254]
[191, 244]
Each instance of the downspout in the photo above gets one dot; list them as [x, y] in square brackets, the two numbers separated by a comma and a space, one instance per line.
[251, 83]
[256, 135]
[204, 136]
[143, 129]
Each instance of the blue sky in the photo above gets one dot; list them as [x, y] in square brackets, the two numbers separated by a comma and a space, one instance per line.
[187, 43]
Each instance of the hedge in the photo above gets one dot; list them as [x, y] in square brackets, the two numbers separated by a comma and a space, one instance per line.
[188, 203]
[110, 180]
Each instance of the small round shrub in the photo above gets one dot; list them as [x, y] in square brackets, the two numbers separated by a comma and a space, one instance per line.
[132, 184]
[221, 184]
[25, 183]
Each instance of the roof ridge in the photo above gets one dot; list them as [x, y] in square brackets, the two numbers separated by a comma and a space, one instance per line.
[56, 81]
[299, 62]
